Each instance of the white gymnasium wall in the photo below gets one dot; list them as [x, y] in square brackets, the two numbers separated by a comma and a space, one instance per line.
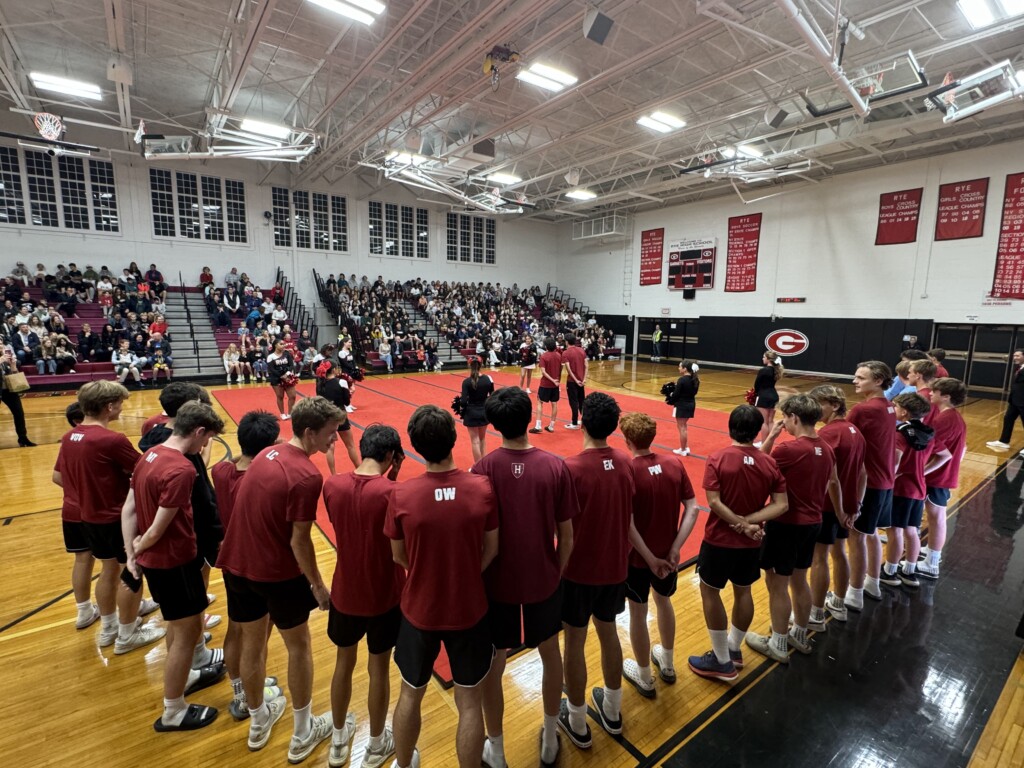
[818, 242]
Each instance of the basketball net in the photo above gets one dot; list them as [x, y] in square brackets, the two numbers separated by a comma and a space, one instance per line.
[50, 127]
[140, 132]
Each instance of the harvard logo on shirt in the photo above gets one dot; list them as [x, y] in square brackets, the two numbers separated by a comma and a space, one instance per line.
[518, 470]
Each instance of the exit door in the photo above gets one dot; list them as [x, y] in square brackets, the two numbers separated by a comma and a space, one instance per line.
[979, 355]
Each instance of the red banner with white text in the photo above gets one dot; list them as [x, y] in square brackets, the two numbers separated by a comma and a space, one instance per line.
[1008, 282]
[898, 213]
[741, 253]
[961, 211]
[652, 253]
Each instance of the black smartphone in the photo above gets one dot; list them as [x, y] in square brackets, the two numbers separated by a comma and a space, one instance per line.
[130, 581]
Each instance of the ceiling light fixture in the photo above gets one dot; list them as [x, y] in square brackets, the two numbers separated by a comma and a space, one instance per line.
[546, 77]
[363, 11]
[46, 82]
[662, 122]
[581, 194]
[266, 129]
[977, 12]
[503, 178]
[405, 158]
[1012, 7]
[748, 151]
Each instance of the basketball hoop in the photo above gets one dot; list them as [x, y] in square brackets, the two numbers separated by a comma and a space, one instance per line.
[140, 132]
[50, 127]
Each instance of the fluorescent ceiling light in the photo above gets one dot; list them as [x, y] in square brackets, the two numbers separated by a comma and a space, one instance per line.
[405, 158]
[1012, 7]
[654, 125]
[350, 9]
[546, 77]
[503, 178]
[581, 194]
[669, 120]
[748, 151]
[266, 129]
[977, 12]
[63, 85]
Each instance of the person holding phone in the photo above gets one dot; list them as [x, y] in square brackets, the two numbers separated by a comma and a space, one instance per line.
[12, 400]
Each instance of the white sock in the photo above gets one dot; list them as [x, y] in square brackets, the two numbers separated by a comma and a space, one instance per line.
[780, 642]
[800, 633]
[494, 751]
[817, 613]
[174, 711]
[871, 584]
[666, 659]
[549, 739]
[910, 568]
[236, 687]
[260, 715]
[612, 703]
[720, 644]
[735, 638]
[857, 594]
[339, 737]
[376, 742]
[201, 655]
[539, 424]
[645, 674]
[302, 719]
[108, 622]
[890, 568]
[577, 717]
[125, 631]
[934, 556]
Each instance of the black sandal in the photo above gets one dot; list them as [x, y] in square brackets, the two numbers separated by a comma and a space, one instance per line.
[207, 677]
[197, 716]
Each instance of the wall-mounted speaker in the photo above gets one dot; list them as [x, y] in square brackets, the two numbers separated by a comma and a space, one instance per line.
[596, 26]
[689, 293]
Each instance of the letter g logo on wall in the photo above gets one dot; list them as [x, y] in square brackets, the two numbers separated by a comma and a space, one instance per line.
[787, 342]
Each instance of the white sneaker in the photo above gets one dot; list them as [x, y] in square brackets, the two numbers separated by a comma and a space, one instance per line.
[803, 647]
[998, 445]
[572, 426]
[414, 763]
[836, 607]
[148, 606]
[681, 451]
[259, 735]
[876, 595]
[350, 408]
[89, 619]
[339, 753]
[143, 635]
[107, 636]
[491, 760]
[763, 645]
[376, 758]
[849, 603]
[320, 728]
[1021, 454]
[285, 416]
[928, 571]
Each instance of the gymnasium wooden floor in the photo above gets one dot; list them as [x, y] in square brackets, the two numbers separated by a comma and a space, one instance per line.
[65, 699]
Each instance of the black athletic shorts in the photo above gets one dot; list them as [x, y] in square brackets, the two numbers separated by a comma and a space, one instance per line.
[529, 624]
[470, 653]
[548, 394]
[345, 426]
[381, 632]
[106, 542]
[787, 547]
[875, 511]
[640, 580]
[287, 602]
[831, 529]
[74, 537]
[939, 497]
[717, 566]
[581, 601]
[180, 591]
[907, 513]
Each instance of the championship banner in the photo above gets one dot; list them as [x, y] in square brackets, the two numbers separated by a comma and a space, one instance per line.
[961, 210]
[691, 264]
[897, 216]
[1008, 282]
[652, 250]
[741, 253]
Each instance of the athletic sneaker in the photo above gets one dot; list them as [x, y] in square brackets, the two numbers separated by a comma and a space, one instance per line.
[928, 571]
[908, 579]
[148, 606]
[535, 431]
[890, 580]
[763, 645]
[736, 657]
[710, 667]
[549, 428]
[320, 728]
[668, 674]
[998, 445]
[804, 647]
[681, 451]
[582, 740]
[239, 706]
[211, 620]
[1021, 454]
[817, 626]
[338, 755]
[88, 621]
[836, 607]
[144, 634]
[631, 671]
[490, 760]
[572, 426]
[415, 763]
[259, 735]
[877, 595]
[850, 603]
[614, 727]
[375, 758]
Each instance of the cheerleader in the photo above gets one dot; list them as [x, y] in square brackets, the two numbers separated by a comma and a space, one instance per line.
[335, 387]
[527, 362]
[282, 378]
[475, 391]
[684, 401]
[766, 397]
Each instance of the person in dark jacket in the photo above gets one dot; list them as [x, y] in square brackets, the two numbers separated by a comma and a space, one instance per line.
[684, 402]
[1015, 406]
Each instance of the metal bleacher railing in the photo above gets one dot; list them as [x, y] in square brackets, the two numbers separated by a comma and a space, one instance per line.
[302, 318]
[191, 326]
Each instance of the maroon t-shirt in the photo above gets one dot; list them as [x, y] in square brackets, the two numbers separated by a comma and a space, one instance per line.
[848, 445]
[577, 360]
[152, 421]
[876, 420]
[604, 483]
[226, 479]
[279, 488]
[96, 464]
[806, 463]
[164, 478]
[442, 517]
[951, 431]
[910, 480]
[69, 509]
[661, 486]
[551, 363]
[535, 492]
[745, 478]
[367, 581]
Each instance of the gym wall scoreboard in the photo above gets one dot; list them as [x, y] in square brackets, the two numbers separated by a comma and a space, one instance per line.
[691, 264]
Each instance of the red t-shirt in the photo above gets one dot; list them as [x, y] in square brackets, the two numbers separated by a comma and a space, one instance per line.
[941, 372]
[96, 464]
[551, 363]
[577, 360]
[848, 446]
[745, 478]
[367, 581]
[661, 486]
[69, 510]
[164, 478]
[226, 479]
[926, 393]
[280, 487]
[910, 482]
[604, 483]
[876, 420]
[951, 431]
[442, 517]
[807, 465]
[535, 492]
[153, 421]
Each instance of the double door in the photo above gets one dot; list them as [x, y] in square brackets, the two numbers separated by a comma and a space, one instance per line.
[980, 354]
